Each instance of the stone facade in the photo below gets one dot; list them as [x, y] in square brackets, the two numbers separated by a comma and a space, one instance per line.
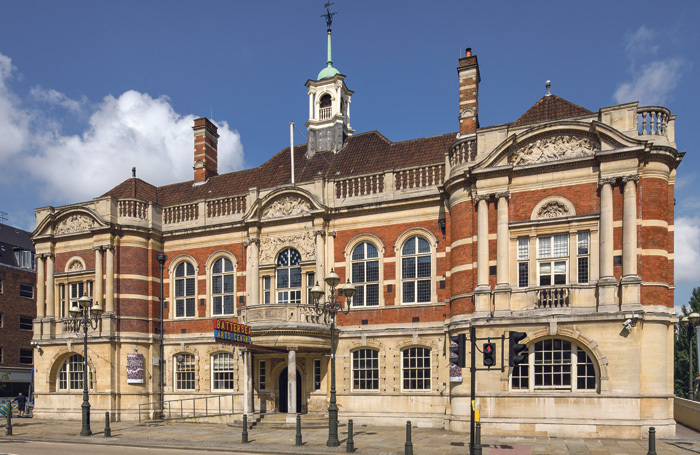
[560, 227]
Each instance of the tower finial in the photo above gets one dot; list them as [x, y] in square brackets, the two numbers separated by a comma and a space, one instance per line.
[328, 15]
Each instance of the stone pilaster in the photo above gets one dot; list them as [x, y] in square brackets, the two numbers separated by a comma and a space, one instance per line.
[98, 289]
[631, 282]
[502, 291]
[109, 285]
[50, 287]
[482, 292]
[40, 286]
[607, 284]
[252, 278]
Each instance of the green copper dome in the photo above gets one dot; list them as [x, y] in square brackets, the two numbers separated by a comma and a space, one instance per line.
[328, 71]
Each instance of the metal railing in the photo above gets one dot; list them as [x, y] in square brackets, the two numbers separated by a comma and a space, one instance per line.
[178, 409]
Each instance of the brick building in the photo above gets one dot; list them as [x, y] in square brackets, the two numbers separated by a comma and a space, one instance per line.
[17, 310]
[559, 224]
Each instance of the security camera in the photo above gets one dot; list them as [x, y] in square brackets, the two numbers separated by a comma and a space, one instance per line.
[627, 324]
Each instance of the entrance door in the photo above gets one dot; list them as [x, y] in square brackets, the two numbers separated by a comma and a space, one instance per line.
[283, 395]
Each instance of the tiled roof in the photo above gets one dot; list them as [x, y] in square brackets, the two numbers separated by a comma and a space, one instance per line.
[549, 108]
[363, 154]
[12, 238]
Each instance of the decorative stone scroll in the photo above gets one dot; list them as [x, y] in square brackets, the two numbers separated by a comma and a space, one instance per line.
[74, 223]
[304, 243]
[553, 149]
[286, 206]
[553, 209]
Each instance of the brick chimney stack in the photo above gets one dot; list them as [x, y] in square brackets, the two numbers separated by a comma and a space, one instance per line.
[469, 79]
[206, 141]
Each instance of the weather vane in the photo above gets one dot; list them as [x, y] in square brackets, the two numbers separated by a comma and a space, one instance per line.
[328, 15]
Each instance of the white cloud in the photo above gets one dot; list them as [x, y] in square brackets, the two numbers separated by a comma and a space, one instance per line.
[133, 129]
[651, 81]
[687, 250]
[14, 123]
[57, 98]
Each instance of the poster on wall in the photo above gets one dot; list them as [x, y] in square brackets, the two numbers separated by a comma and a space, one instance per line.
[134, 368]
[455, 373]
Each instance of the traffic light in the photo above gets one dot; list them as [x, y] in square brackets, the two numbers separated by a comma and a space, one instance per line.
[458, 350]
[517, 352]
[489, 354]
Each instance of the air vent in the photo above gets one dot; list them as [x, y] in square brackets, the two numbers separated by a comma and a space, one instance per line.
[416, 319]
[365, 322]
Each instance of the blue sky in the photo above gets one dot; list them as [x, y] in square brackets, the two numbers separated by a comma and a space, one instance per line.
[90, 89]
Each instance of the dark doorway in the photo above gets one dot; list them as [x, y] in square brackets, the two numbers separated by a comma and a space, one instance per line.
[283, 384]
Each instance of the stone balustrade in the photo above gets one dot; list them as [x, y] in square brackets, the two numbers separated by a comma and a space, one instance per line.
[226, 206]
[419, 177]
[281, 314]
[324, 113]
[652, 120]
[552, 297]
[180, 213]
[463, 151]
[359, 186]
[133, 208]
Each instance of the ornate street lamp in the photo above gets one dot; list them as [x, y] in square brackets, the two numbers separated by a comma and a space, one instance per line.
[86, 315]
[329, 308]
[689, 323]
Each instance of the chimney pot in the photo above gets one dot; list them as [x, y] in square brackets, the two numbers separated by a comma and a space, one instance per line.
[469, 52]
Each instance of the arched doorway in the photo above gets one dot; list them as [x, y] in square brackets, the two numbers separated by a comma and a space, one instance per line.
[283, 382]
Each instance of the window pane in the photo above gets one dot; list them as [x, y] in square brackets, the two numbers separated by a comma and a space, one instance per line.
[424, 291]
[216, 284]
[523, 274]
[544, 247]
[283, 278]
[294, 257]
[190, 307]
[410, 246]
[228, 304]
[523, 248]
[217, 266]
[409, 292]
[359, 252]
[372, 271]
[560, 267]
[423, 266]
[583, 270]
[408, 268]
[295, 277]
[423, 245]
[372, 298]
[216, 301]
[561, 245]
[371, 251]
[358, 272]
[189, 286]
[583, 242]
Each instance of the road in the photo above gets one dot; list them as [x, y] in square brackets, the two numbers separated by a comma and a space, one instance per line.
[58, 448]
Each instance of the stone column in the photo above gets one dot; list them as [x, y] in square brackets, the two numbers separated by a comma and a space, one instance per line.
[503, 241]
[629, 226]
[247, 383]
[631, 282]
[482, 242]
[501, 298]
[606, 229]
[40, 287]
[320, 255]
[109, 285]
[252, 279]
[482, 293]
[98, 292]
[606, 283]
[292, 384]
[50, 298]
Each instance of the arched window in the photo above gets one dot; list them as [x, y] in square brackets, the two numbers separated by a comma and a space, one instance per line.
[416, 273]
[326, 100]
[325, 107]
[415, 370]
[555, 364]
[365, 369]
[185, 282]
[365, 275]
[71, 374]
[289, 276]
[184, 372]
[222, 291]
[222, 371]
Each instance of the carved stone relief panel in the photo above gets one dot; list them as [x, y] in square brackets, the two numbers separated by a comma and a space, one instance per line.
[305, 243]
[553, 209]
[74, 266]
[553, 148]
[286, 206]
[74, 223]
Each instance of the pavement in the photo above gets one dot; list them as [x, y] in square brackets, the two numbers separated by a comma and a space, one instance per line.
[280, 439]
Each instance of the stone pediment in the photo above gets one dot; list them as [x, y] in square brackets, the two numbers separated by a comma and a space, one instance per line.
[552, 148]
[286, 206]
[72, 220]
[74, 223]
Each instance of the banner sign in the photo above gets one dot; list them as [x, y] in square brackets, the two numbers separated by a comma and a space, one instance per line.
[134, 368]
[231, 331]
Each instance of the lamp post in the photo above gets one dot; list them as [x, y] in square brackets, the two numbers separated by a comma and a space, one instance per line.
[85, 315]
[689, 323]
[161, 362]
[329, 309]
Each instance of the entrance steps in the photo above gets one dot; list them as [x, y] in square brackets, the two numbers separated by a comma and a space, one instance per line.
[270, 420]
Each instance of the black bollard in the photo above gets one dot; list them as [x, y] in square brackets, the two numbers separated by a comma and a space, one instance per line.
[652, 441]
[244, 435]
[8, 427]
[477, 439]
[408, 448]
[108, 430]
[350, 444]
[298, 440]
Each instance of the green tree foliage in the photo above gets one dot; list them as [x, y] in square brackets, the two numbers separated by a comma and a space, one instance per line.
[685, 340]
